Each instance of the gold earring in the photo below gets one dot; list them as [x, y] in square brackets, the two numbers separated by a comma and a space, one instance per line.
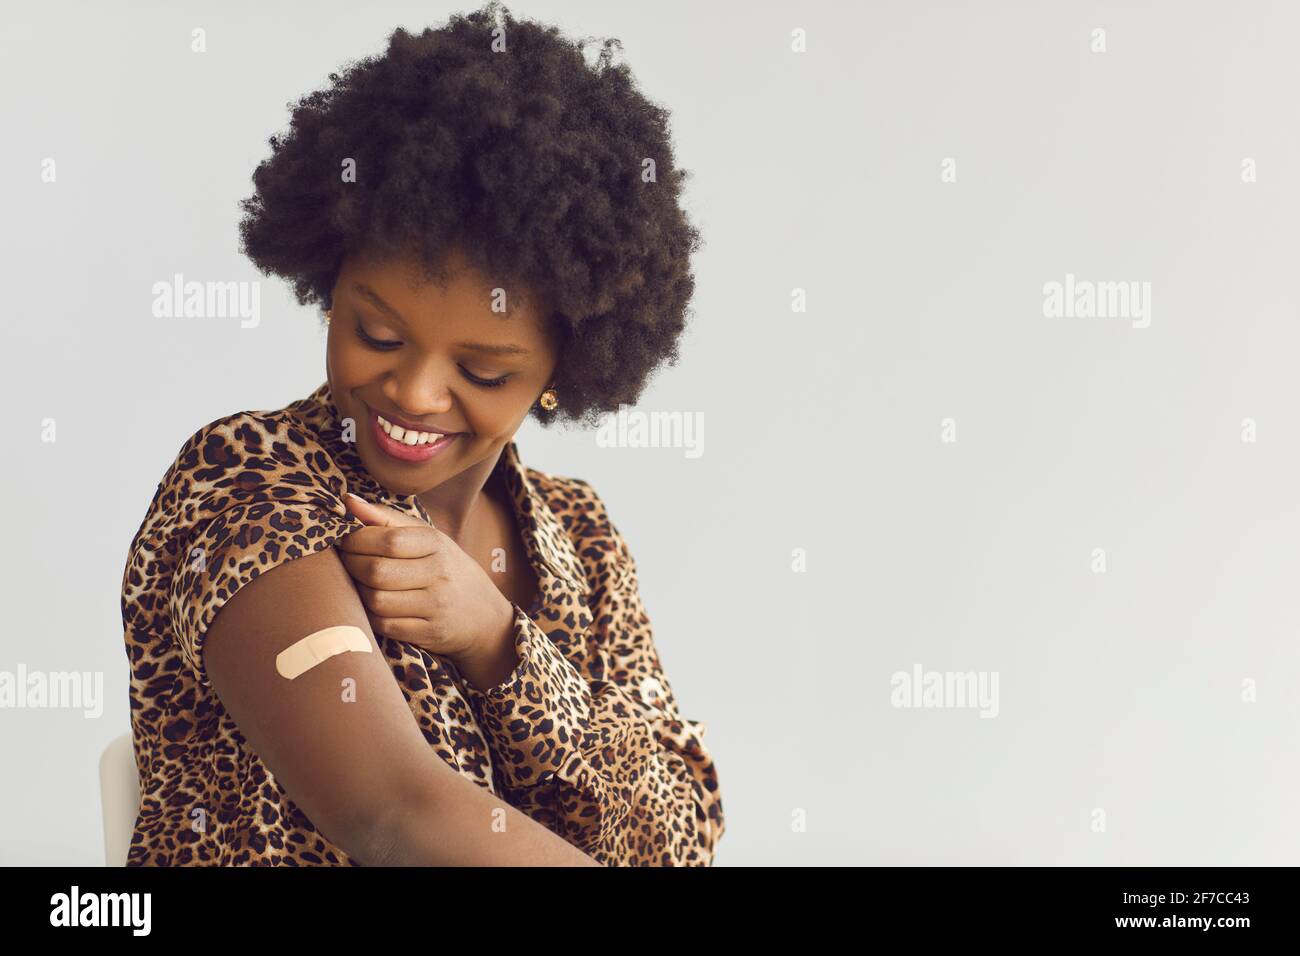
[548, 400]
[327, 316]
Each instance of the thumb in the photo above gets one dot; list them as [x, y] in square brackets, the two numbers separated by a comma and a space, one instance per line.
[373, 514]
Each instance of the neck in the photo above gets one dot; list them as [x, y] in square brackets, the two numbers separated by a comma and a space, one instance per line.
[454, 504]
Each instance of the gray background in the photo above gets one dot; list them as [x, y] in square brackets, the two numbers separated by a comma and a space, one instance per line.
[819, 171]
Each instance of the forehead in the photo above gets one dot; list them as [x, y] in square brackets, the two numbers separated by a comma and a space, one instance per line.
[409, 282]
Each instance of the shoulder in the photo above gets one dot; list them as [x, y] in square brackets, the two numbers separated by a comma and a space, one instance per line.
[246, 493]
[598, 544]
[585, 517]
[251, 456]
[574, 501]
[262, 440]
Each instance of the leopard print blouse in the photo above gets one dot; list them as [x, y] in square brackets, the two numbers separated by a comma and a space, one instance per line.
[585, 736]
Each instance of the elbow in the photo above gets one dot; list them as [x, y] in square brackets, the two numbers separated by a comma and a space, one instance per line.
[406, 825]
[366, 842]
[407, 832]
[380, 841]
[369, 837]
[377, 837]
[708, 831]
[376, 844]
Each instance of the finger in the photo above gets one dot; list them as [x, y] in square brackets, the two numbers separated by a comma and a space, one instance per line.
[387, 574]
[407, 629]
[385, 603]
[380, 515]
[393, 542]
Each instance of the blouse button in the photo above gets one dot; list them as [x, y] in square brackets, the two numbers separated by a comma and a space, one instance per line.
[651, 690]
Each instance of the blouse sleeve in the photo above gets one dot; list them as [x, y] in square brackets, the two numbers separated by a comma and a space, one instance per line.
[248, 495]
[607, 762]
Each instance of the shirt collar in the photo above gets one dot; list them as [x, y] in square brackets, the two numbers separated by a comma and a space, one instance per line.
[547, 541]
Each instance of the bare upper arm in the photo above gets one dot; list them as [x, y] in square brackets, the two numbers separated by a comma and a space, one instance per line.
[347, 759]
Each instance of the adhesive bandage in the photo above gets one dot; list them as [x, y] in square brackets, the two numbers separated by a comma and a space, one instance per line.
[301, 657]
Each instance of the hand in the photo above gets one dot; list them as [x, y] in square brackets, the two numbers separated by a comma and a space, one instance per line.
[419, 586]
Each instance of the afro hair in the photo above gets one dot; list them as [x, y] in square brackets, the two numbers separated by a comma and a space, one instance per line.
[498, 136]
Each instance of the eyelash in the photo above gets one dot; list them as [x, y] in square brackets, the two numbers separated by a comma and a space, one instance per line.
[382, 346]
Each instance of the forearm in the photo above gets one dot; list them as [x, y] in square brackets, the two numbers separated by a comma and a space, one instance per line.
[466, 825]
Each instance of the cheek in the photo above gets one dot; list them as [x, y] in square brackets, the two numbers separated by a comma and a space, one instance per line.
[348, 369]
[487, 416]
[351, 361]
[493, 416]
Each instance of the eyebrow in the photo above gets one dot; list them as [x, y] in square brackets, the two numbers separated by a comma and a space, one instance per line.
[374, 298]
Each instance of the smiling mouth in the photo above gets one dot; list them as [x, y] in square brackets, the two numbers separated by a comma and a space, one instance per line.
[406, 444]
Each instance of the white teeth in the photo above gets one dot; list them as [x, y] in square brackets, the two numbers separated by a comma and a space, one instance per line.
[397, 433]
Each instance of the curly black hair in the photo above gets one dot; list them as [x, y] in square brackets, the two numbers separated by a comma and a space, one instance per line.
[496, 135]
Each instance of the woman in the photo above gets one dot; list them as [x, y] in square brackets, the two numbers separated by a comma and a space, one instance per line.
[474, 212]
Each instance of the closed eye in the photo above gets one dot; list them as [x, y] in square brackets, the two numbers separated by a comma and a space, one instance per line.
[383, 345]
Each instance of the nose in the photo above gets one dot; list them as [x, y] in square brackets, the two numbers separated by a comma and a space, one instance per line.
[418, 391]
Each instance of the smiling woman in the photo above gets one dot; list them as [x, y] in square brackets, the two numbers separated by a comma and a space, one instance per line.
[491, 143]
[500, 253]
[409, 356]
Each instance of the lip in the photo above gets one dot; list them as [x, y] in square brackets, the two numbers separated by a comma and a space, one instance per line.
[411, 425]
[402, 451]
